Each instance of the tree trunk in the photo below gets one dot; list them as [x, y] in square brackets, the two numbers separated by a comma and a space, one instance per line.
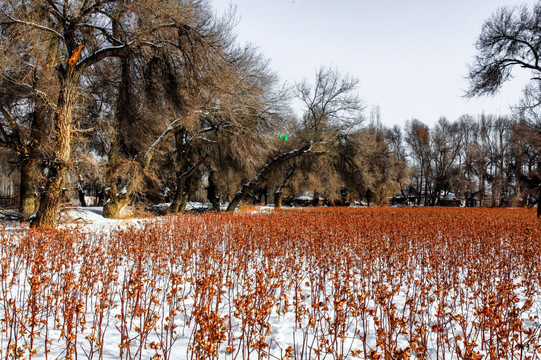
[49, 205]
[180, 144]
[184, 202]
[428, 194]
[51, 196]
[115, 203]
[539, 204]
[179, 193]
[101, 196]
[81, 193]
[369, 197]
[113, 206]
[27, 196]
[115, 209]
[189, 189]
[278, 197]
[420, 187]
[185, 184]
[27, 192]
[266, 196]
[481, 191]
[278, 194]
[212, 193]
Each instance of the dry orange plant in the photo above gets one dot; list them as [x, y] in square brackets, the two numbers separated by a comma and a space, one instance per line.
[328, 283]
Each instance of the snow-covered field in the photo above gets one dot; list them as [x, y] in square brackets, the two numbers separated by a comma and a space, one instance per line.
[307, 284]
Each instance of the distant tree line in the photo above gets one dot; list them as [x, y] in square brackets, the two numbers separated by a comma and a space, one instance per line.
[486, 161]
[153, 101]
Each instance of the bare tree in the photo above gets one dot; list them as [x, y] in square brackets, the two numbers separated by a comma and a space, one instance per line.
[508, 39]
[331, 105]
[331, 108]
[446, 146]
[76, 37]
[418, 140]
[23, 121]
[527, 142]
[25, 109]
[373, 165]
[469, 182]
[63, 28]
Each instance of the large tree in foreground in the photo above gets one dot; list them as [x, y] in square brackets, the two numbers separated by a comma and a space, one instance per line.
[76, 36]
[64, 29]
[510, 38]
[23, 120]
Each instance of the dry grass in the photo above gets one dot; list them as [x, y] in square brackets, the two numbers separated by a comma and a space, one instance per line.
[369, 283]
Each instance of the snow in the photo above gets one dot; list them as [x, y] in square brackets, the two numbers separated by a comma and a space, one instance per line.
[305, 196]
[190, 206]
[286, 333]
[91, 218]
[450, 197]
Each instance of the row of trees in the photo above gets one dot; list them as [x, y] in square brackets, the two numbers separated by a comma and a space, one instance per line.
[511, 39]
[150, 97]
[142, 97]
[488, 160]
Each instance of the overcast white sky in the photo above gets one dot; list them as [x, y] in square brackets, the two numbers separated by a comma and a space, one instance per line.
[410, 56]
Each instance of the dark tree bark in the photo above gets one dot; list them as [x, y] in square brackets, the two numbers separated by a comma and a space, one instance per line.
[189, 189]
[177, 199]
[266, 196]
[81, 193]
[27, 194]
[185, 185]
[51, 196]
[185, 173]
[278, 195]
[212, 192]
[180, 144]
[28, 200]
[539, 205]
[115, 201]
[27, 150]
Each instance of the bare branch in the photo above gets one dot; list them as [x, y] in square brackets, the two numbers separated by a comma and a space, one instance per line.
[37, 26]
[100, 55]
[164, 136]
[509, 38]
[84, 131]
